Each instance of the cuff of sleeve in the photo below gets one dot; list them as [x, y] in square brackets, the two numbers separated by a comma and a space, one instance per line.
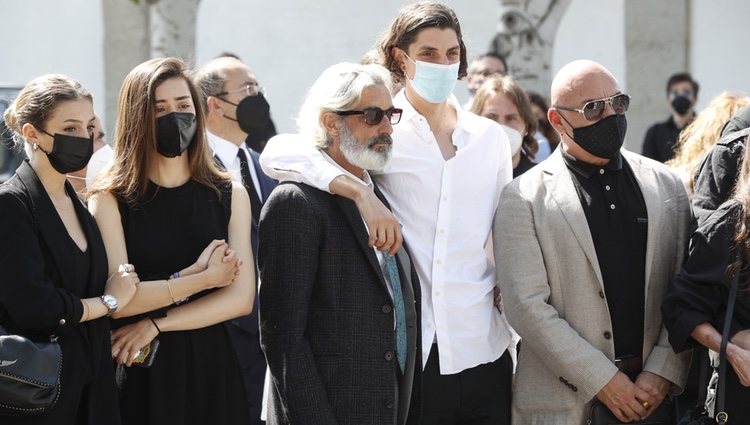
[684, 324]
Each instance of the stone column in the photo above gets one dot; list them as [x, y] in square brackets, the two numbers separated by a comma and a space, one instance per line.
[126, 44]
[657, 37]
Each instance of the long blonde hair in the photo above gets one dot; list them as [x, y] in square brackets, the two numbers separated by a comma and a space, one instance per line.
[702, 134]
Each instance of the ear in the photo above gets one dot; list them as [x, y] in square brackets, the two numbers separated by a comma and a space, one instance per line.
[331, 123]
[553, 116]
[399, 57]
[213, 105]
[30, 133]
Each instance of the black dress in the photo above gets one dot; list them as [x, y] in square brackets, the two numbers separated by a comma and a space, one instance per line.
[43, 276]
[195, 377]
[700, 292]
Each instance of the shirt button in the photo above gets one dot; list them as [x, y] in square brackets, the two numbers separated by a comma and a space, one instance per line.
[612, 206]
[442, 231]
[439, 262]
[601, 294]
[607, 187]
[388, 355]
[601, 171]
[61, 322]
[387, 309]
[445, 198]
[607, 335]
[388, 404]
[437, 294]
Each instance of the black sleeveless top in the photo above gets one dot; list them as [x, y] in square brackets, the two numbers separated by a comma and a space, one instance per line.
[195, 377]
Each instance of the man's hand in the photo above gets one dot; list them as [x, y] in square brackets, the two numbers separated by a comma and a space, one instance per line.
[619, 397]
[651, 389]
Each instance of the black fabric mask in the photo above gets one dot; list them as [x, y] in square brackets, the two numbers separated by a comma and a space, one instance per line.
[253, 113]
[681, 104]
[603, 138]
[174, 133]
[69, 153]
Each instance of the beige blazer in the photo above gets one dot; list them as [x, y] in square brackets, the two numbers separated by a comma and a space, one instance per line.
[554, 295]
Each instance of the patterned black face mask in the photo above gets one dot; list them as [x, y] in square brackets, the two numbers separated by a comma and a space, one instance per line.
[604, 138]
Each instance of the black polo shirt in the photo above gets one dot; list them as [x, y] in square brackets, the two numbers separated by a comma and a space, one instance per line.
[617, 218]
[661, 140]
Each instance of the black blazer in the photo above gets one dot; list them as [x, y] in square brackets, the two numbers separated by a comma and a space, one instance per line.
[326, 316]
[35, 300]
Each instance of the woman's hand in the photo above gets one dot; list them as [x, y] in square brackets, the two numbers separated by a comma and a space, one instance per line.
[129, 339]
[122, 285]
[223, 267]
[201, 264]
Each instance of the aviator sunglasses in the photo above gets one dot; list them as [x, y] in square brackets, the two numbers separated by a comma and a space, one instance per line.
[594, 109]
[373, 116]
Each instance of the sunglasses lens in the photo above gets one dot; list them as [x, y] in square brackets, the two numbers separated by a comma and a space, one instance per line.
[621, 103]
[395, 115]
[373, 116]
[592, 110]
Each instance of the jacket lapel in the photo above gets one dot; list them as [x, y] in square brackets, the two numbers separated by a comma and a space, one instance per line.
[560, 186]
[51, 228]
[649, 186]
[354, 219]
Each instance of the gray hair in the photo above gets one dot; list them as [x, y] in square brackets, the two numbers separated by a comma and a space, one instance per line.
[339, 88]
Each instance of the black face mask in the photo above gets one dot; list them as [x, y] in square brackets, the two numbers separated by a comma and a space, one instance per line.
[174, 133]
[603, 138]
[681, 104]
[69, 153]
[253, 113]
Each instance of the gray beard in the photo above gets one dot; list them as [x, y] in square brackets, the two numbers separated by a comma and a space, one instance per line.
[362, 155]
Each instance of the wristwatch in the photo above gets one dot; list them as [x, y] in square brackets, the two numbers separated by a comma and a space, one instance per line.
[110, 302]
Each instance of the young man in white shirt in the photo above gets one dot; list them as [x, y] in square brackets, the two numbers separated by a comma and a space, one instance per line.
[443, 183]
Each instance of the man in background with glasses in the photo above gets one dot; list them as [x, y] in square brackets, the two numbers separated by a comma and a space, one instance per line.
[586, 244]
[339, 319]
[661, 138]
[234, 106]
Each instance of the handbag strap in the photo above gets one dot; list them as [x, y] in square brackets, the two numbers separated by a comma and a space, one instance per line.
[721, 415]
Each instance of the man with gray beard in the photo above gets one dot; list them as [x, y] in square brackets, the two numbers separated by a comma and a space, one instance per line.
[339, 320]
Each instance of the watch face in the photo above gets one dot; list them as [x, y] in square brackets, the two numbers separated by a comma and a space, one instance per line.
[110, 302]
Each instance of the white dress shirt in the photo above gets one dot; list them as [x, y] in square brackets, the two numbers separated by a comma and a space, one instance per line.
[446, 209]
[227, 153]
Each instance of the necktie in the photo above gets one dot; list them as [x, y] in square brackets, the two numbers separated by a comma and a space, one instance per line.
[398, 302]
[247, 181]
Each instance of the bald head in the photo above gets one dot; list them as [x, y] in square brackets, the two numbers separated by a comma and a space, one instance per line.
[580, 81]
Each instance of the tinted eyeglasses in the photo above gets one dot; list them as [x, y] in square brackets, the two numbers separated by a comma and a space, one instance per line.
[594, 109]
[373, 116]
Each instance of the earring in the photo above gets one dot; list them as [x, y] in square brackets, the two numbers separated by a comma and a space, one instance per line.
[34, 146]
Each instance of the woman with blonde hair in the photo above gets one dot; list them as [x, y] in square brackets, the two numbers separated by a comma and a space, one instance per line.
[702, 134]
[164, 207]
[502, 100]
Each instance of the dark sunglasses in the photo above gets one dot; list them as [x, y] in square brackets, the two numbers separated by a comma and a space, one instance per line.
[594, 109]
[373, 116]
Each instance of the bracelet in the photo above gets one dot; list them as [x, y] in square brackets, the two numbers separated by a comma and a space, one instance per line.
[86, 310]
[171, 295]
[174, 275]
[155, 325]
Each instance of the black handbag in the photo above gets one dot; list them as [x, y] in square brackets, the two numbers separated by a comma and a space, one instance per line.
[29, 375]
[663, 415]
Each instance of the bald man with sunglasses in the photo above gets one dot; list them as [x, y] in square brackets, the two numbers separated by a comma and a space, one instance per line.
[585, 245]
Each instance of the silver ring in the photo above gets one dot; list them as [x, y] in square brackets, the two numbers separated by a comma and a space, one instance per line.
[126, 268]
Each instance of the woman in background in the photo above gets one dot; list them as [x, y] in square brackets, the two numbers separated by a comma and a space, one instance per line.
[502, 100]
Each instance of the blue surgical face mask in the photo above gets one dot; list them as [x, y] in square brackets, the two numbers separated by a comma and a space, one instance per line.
[434, 82]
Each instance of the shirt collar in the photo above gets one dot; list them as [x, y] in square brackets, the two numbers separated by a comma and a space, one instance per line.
[587, 170]
[365, 179]
[223, 148]
[410, 113]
